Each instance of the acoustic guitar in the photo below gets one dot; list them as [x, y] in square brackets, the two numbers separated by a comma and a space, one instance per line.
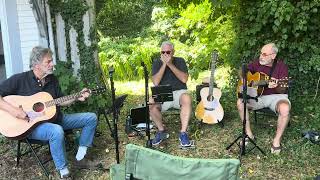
[209, 110]
[40, 108]
[258, 81]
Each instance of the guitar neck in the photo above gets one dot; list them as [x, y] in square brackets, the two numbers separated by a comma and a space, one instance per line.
[213, 67]
[63, 99]
[211, 83]
[266, 82]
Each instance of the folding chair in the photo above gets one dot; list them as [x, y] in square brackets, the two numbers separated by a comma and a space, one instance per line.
[34, 145]
[144, 163]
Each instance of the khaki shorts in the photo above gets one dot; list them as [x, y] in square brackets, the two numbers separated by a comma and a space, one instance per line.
[176, 100]
[269, 101]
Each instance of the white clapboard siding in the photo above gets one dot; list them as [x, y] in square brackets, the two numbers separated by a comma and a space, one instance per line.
[29, 33]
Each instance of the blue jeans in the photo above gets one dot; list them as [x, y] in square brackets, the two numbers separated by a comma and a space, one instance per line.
[54, 133]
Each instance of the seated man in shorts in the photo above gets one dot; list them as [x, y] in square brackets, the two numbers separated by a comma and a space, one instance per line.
[170, 70]
[273, 96]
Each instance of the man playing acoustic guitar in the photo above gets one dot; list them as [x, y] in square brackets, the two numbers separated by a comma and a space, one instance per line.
[173, 71]
[273, 96]
[41, 79]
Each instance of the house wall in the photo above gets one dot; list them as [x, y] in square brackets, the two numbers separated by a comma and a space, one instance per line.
[29, 33]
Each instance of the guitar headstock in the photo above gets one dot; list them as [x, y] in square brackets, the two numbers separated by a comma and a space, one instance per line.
[98, 90]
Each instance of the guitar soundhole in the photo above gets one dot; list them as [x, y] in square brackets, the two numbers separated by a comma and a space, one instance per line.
[210, 98]
[38, 107]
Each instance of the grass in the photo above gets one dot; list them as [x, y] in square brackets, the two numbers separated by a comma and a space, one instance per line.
[298, 160]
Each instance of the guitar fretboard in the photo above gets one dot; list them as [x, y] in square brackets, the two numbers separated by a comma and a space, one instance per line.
[62, 99]
[213, 67]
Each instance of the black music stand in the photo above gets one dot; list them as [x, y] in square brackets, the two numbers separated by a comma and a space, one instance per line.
[162, 93]
[244, 135]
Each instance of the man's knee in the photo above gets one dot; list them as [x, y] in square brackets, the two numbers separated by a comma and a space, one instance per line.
[185, 100]
[283, 108]
[93, 118]
[56, 131]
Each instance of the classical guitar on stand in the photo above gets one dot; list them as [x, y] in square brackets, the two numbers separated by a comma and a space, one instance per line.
[258, 81]
[40, 107]
[209, 110]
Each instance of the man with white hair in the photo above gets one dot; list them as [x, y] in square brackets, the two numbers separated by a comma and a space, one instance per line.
[170, 70]
[273, 96]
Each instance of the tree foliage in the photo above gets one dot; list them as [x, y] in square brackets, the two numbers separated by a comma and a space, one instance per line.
[119, 18]
[237, 29]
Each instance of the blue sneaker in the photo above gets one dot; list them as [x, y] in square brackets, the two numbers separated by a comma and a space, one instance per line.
[160, 136]
[184, 139]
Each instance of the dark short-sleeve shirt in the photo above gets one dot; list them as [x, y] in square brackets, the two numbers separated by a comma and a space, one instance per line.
[27, 84]
[279, 72]
[168, 77]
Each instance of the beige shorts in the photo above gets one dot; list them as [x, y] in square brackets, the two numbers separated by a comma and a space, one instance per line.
[269, 101]
[176, 100]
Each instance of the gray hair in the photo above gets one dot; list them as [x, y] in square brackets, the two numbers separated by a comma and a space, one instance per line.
[167, 43]
[37, 55]
[274, 48]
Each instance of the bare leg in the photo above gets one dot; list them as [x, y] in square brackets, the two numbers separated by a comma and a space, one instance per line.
[156, 115]
[186, 107]
[283, 109]
[240, 110]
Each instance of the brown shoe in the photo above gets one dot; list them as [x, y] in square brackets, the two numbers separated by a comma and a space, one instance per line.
[86, 164]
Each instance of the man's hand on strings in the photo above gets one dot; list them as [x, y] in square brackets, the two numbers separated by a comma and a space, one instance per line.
[273, 83]
[85, 93]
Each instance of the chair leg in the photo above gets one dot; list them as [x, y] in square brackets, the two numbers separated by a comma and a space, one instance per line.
[255, 116]
[18, 152]
[36, 156]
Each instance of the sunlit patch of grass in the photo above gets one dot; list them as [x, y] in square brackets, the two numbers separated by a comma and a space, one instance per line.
[131, 87]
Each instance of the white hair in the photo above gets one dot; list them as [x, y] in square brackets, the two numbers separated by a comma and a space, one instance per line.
[37, 55]
[274, 48]
[167, 43]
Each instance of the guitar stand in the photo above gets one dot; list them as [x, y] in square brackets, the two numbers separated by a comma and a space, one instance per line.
[244, 136]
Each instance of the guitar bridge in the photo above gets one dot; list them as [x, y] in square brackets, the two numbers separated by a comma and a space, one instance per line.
[209, 109]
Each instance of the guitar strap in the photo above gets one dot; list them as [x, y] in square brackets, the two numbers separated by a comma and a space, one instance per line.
[272, 68]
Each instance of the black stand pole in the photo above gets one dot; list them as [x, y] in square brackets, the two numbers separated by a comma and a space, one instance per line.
[147, 115]
[115, 115]
[244, 135]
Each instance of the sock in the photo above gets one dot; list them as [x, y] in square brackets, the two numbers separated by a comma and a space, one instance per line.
[82, 151]
[64, 172]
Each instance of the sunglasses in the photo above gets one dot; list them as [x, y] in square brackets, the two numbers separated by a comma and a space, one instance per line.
[265, 54]
[165, 52]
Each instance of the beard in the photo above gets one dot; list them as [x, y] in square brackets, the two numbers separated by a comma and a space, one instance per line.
[265, 62]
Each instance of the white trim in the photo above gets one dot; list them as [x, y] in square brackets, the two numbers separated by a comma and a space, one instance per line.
[10, 37]
[50, 32]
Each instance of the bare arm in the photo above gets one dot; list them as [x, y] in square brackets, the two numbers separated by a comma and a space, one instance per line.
[158, 76]
[182, 76]
[14, 111]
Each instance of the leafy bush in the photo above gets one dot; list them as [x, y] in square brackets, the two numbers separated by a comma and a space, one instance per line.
[70, 84]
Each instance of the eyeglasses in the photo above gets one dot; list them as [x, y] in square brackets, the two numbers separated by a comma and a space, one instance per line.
[265, 54]
[167, 52]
